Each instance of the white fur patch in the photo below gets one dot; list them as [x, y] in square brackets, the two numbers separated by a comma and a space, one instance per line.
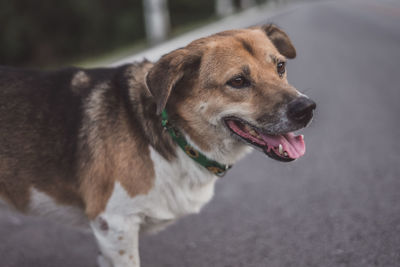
[180, 187]
[43, 205]
[118, 239]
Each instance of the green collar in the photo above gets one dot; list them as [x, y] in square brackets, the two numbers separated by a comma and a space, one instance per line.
[211, 165]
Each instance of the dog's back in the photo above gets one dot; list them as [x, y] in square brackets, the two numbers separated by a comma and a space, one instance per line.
[55, 131]
[39, 119]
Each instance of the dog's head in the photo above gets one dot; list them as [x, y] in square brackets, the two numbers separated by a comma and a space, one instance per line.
[230, 90]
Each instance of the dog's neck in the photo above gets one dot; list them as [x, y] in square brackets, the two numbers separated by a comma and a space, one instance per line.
[226, 151]
[196, 155]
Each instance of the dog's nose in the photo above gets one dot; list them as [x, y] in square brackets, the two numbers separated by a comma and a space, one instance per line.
[301, 109]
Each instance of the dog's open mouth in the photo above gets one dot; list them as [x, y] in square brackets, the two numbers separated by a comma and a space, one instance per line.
[284, 147]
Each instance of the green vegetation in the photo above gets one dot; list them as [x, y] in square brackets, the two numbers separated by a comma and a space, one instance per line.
[50, 33]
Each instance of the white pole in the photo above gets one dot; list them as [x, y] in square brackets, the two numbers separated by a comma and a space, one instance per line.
[157, 22]
[224, 7]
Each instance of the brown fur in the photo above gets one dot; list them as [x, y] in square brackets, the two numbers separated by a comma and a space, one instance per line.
[98, 129]
[112, 145]
[76, 134]
[122, 151]
[198, 74]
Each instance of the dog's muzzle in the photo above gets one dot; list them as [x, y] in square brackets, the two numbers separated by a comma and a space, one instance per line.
[300, 110]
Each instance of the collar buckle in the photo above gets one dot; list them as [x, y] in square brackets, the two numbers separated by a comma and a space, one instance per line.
[220, 172]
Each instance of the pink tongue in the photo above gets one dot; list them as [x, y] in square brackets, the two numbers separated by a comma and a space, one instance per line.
[293, 145]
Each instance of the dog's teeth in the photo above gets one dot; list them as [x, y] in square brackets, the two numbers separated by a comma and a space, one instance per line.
[285, 153]
[252, 132]
[280, 149]
[302, 136]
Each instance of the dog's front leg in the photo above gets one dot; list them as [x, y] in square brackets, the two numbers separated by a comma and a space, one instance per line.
[117, 237]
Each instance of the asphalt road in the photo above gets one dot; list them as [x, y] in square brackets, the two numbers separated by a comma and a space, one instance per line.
[337, 206]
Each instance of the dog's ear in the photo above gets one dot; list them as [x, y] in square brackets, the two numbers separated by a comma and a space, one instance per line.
[280, 39]
[167, 72]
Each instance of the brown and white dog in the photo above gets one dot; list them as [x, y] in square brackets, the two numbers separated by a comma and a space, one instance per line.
[87, 146]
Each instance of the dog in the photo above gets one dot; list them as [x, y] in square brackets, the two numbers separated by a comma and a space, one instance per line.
[132, 148]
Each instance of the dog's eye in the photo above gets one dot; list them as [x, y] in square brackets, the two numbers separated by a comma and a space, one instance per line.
[238, 82]
[280, 68]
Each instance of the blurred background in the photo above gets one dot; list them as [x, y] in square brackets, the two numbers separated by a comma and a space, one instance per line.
[338, 206]
[49, 33]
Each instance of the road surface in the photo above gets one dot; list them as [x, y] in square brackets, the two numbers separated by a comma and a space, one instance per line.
[337, 206]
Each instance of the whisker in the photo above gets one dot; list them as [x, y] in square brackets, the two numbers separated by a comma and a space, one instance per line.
[304, 91]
